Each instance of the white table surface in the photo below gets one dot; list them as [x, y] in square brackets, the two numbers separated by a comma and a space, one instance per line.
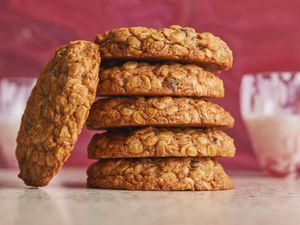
[255, 200]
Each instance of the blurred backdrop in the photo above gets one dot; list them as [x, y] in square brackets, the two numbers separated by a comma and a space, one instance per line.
[264, 36]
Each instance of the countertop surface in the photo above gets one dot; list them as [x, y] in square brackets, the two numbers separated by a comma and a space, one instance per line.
[255, 200]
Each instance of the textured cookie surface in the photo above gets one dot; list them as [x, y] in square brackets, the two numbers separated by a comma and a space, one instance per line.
[56, 111]
[175, 43]
[161, 142]
[156, 111]
[171, 174]
[137, 78]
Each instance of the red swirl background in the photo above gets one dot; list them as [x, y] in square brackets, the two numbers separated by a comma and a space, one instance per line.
[264, 35]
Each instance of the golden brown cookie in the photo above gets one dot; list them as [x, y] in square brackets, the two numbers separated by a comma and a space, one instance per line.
[161, 142]
[138, 78]
[175, 43]
[157, 111]
[171, 174]
[56, 111]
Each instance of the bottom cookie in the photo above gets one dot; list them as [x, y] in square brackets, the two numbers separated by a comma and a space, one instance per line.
[152, 174]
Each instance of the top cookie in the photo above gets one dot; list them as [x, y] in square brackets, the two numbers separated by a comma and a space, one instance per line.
[56, 111]
[175, 43]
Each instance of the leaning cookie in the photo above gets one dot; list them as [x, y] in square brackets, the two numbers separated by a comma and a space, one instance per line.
[56, 111]
[161, 142]
[175, 43]
[157, 111]
[171, 174]
[169, 79]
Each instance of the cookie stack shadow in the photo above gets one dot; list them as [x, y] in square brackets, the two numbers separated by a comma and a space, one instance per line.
[163, 132]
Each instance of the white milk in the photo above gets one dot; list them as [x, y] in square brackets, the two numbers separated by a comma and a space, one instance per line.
[13, 97]
[9, 130]
[271, 111]
[276, 141]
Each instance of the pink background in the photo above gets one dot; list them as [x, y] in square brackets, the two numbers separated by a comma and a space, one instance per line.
[264, 35]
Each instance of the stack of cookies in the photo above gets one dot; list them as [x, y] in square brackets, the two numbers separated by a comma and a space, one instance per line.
[162, 132]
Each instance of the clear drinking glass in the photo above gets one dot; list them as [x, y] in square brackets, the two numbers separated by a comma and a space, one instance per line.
[14, 93]
[270, 107]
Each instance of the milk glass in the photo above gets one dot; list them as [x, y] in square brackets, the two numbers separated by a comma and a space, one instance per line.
[14, 93]
[270, 107]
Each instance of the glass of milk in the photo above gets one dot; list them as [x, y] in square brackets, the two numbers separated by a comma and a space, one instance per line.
[14, 93]
[270, 107]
